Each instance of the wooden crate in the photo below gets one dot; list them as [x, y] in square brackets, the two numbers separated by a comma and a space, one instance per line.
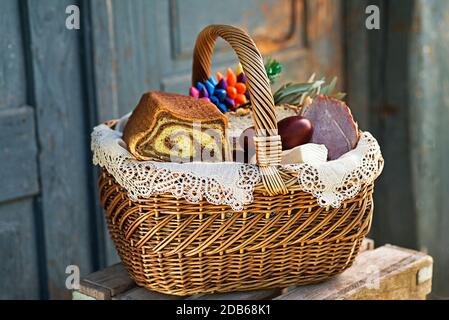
[388, 272]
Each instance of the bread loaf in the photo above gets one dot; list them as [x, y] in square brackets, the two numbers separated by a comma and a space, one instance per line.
[171, 127]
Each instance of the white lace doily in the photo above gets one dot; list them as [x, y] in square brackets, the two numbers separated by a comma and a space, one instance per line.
[334, 181]
[231, 183]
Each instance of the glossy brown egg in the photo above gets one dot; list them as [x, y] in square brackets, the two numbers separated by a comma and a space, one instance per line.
[294, 131]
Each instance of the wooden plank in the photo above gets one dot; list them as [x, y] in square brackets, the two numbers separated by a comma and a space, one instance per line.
[18, 154]
[57, 92]
[80, 296]
[19, 268]
[12, 65]
[107, 283]
[144, 294]
[245, 295]
[388, 272]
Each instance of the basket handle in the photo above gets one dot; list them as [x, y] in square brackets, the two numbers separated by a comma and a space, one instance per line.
[267, 141]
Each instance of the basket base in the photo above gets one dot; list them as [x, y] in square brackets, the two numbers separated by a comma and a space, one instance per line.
[239, 287]
[305, 274]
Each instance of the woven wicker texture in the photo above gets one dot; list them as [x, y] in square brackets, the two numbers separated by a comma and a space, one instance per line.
[283, 238]
[175, 247]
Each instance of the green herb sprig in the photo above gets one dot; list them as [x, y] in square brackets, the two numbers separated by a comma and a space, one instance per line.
[296, 93]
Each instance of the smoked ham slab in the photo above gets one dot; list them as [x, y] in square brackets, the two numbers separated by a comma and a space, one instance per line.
[333, 125]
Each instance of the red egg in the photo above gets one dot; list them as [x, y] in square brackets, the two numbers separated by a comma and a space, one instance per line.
[294, 131]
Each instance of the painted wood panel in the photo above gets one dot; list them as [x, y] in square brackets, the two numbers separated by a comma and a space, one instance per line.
[18, 154]
[429, 134]
[377, 84]
[20, 271]
[307, 40]
[18, 255]
[397, 79]
[62, 135]
[125, 40]
[12, 66]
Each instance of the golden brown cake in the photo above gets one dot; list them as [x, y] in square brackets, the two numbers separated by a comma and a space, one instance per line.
[171, 127]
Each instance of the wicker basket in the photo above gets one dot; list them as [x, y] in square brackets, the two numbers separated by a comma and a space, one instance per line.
[282, 238]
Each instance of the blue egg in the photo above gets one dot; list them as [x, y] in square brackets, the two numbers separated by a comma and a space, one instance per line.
[214, 100]
[199, 86]
[220, 94]
[210, 87]
[222, 107]
[213, 80]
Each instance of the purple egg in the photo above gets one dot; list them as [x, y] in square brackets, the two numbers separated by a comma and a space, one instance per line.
[204, 93]
[241, 78]
[222, 84]
[229, 103]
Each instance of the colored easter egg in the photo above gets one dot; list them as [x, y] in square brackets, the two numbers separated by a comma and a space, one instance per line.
[205, 99]
[220, 94]
[219, 76]
[240, 87]
[229, 103]
[213, 80]
[214, 100]
[222, 107]
[204, 93]
[194, 92]
[241, 77]
[240, 99]
[222, 84]
[231, 77]
[239, 69]
[199, 86]
[231, 92]
[210, 87]
[294, 131]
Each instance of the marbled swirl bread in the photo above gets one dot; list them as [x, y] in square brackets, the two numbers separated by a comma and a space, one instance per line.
[171, 127]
